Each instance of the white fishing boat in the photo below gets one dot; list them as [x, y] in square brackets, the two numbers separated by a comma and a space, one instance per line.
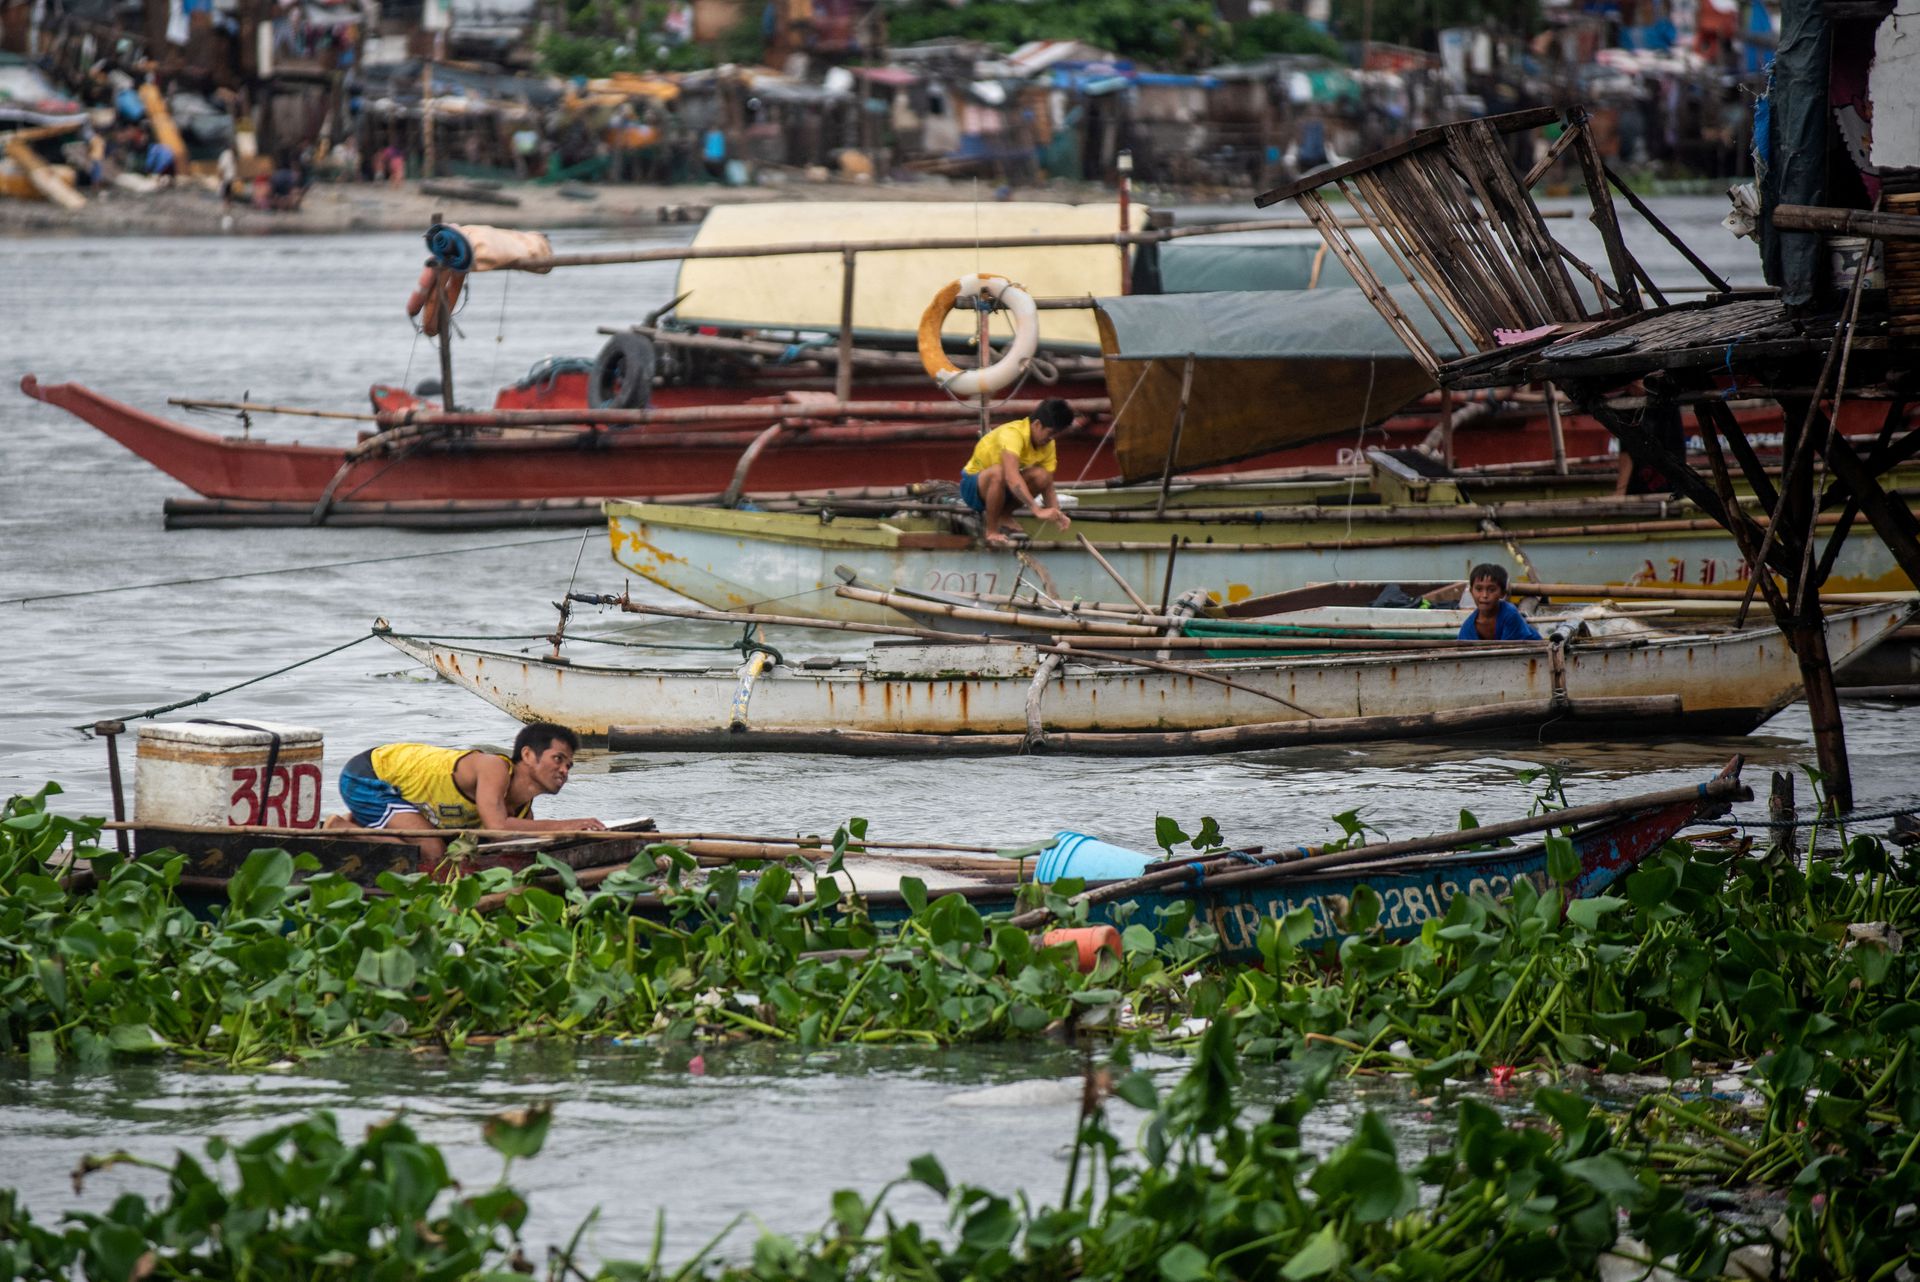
[1091, 695]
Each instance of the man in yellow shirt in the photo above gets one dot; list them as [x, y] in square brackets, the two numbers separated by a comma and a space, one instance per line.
[1014, 465]
[417, 786]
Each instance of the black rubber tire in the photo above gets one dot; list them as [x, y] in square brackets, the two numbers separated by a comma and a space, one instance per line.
[427, 387]
[622, 377]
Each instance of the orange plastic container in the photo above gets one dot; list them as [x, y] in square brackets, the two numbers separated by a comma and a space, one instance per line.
[1090, 940]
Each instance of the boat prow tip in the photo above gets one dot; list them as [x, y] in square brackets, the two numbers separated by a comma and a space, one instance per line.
[30, 384]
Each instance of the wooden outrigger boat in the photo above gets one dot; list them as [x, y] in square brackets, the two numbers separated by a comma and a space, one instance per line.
[1233, 892]
[1427, 611]
[791, 562]
[1102, 695]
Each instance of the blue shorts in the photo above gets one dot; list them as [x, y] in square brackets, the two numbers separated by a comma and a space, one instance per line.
[371, 800]
[970, 492]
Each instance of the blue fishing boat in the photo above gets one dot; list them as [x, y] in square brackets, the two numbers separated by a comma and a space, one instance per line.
[1416, 881]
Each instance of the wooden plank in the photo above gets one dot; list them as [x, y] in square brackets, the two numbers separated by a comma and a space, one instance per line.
[1507, 220]
[1605, 219]
[1757, 476]
[1554, 153]
[1450, 227]
[45, 179]
[1746, 532]
[1552, 272]
[1386, 232]
[1343, 248]
[1640, 207]
[1425, 222]
[1895, 417]
[1494, 242]
[1892, 520]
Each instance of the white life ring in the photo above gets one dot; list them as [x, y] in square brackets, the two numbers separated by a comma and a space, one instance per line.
[1003, 372]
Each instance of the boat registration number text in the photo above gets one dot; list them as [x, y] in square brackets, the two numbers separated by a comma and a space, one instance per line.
[1402, 908]
[972, 582]
[292, 800]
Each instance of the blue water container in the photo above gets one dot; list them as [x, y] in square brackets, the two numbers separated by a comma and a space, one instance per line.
[1075, 854]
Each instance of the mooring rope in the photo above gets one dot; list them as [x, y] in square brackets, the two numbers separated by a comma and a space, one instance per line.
[87, 728]
[285, 569]
[1831, 821]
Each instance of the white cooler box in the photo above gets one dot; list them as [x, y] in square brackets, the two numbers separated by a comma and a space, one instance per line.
[209, 773]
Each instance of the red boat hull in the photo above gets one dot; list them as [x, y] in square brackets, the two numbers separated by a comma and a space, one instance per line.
[659, 460]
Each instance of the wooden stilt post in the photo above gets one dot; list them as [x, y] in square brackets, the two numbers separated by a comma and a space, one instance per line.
[426, 121]
[1173, 442]
[1805, 627]
[1780, 811]
[843, 372]
[1556, 433]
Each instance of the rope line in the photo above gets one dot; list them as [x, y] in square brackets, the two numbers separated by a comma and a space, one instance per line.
[87, 728]
[1830, 821]
[572, 639]
[285, 569]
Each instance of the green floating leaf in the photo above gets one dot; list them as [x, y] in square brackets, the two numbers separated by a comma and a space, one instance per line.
[1586, 913]
[135, 1039]
[1457, 1064]
[1563, 862]
[1185, 1262]
[518, 1132]
[927, 1169]
[1323, 1253]
[849, 1212]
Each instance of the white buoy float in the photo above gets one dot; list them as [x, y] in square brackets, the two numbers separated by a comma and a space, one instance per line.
[1012, 363]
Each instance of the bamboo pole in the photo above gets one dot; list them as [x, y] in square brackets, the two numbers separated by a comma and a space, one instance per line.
[1235, 738]
[583, 416]
[1556, 432]
[843, 369]
[1657, 592]
[1151, 236]
[1318, 860]
[518, 838]
[1112, 573]
[1723, 787]
[1173, 441]
[951, 638]
[1015, 618]
[254, 407]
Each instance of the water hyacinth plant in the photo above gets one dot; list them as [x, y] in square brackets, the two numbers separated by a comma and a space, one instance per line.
[1794, 978]
[298, 967]
[1211, 1193]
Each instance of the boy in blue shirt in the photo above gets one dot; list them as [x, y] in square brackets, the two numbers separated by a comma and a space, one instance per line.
[1494, 618]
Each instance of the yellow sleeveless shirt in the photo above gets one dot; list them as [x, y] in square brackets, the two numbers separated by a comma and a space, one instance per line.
[424, 776]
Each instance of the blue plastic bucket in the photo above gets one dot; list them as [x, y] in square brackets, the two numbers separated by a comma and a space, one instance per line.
[1075, 854]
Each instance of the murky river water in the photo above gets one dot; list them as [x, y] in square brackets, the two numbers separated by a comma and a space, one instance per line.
[312, 321]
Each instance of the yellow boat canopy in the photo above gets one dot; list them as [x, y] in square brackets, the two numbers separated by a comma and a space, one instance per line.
[893, 288]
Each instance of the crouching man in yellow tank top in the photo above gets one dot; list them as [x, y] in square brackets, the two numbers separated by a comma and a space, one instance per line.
[418, 786]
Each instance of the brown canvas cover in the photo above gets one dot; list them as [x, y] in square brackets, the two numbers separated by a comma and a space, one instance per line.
[1271, 369]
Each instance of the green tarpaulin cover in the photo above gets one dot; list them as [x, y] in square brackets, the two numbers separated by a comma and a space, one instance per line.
[1253, 325]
